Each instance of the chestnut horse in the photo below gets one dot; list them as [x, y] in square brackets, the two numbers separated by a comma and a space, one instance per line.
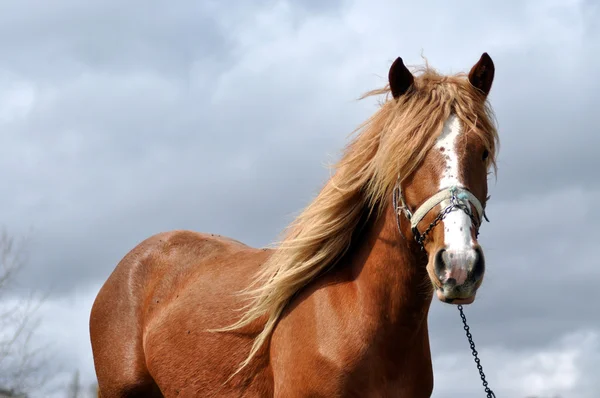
[339, 307]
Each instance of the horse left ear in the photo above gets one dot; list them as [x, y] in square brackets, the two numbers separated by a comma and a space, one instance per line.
[481, 75]
[400, 78]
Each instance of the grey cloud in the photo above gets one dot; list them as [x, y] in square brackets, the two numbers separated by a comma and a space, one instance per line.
[564, 368]
[58, 40]
[540, 279]
[544, 118]
[122, 121]
[97, 139]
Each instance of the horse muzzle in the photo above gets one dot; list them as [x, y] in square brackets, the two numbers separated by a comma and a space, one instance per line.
[459, 274]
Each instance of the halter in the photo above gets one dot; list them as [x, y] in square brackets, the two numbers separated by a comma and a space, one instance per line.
[459, 198]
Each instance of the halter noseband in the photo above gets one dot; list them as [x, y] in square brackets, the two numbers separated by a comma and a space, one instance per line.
[460, 198]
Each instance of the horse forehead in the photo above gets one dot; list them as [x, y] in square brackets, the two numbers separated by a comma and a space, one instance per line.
[451, 130]
[447, 144]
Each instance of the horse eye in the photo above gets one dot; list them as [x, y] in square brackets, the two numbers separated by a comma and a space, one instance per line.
[485, 154]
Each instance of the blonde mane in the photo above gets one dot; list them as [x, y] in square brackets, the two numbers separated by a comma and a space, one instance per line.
[392, 142]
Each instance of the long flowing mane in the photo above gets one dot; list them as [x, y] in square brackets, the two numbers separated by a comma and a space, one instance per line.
[390, 144]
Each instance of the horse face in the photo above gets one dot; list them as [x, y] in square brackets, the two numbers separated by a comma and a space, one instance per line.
[445, 200]
[446, 197]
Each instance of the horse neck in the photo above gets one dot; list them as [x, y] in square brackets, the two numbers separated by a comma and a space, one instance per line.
[391, 276]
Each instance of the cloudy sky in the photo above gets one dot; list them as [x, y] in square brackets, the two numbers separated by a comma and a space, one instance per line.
[119, 120]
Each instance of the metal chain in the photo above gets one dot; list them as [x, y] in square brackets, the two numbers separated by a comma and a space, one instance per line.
[489, 392]
[420, 238]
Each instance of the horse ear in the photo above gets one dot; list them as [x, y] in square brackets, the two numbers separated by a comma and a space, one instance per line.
[400, 78]
[481, 75]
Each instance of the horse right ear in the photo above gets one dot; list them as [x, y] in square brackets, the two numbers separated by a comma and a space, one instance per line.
[400, 78]
[481, 75]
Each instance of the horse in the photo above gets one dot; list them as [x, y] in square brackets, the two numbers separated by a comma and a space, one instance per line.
[338, 307]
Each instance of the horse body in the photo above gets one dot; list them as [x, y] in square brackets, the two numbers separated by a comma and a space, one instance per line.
[338, 338]
[339, 308]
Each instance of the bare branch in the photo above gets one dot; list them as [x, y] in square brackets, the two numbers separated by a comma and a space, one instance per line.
[22, 366]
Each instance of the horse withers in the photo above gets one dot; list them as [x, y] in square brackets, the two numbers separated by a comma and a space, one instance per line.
[339, 307]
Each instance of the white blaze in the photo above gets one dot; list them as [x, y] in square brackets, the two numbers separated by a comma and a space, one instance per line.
[457, 224]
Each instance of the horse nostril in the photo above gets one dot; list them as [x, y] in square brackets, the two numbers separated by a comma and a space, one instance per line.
[478, 264]
[440, 266]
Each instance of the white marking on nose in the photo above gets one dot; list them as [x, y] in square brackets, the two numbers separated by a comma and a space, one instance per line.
[457, 224]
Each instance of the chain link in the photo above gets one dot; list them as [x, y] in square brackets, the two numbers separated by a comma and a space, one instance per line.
[489, 392]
